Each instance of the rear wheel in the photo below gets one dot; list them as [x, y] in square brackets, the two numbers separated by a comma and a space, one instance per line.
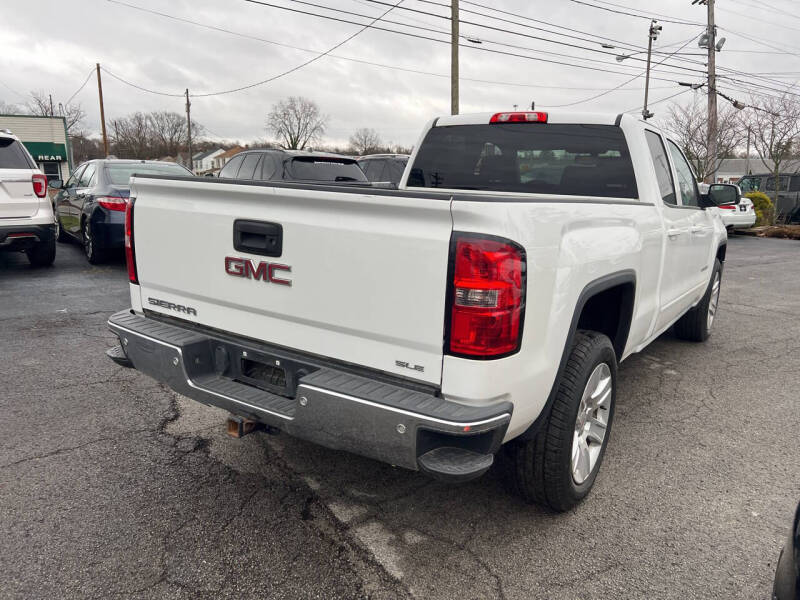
[61, 235]
[559, 466]
[42, 254]
[695, 325]
[93, 254]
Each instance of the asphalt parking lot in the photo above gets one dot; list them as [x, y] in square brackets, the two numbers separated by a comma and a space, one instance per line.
[113, 486]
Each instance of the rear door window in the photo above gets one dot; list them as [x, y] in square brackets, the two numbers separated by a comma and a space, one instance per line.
[231, 169]
[564, 159]
[249, 165]
[269, 167]
[87, 178]
[687, 184]
[784, 183]
[663, 173]
[13, 155]
[794, 184]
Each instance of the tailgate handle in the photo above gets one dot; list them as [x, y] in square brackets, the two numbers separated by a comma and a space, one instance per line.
[258, 237]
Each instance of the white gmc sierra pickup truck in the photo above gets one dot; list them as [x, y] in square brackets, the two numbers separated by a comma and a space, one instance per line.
[486, 303]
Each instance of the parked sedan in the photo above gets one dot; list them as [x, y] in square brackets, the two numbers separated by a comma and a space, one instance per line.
[90, 206]
[384, 167]
[293, 165]
[787, 575]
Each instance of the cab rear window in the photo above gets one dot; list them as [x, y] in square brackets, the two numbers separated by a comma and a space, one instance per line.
[563, 159]
[13, 155]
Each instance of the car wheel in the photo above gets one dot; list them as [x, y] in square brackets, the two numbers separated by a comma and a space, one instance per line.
[42, 254]
[695, 325]
[93, 254]
[60, 234]
[558, 467]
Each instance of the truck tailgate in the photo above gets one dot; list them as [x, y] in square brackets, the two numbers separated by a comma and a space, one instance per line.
[367, 271]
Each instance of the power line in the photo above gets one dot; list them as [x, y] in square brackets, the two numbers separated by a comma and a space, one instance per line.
[773, 23]
[83, 85]
[638, 108]
[624, 82]
[627, 13]
[335, 56]
[476, 48]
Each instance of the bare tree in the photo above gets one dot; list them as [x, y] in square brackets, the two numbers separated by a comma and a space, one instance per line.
[365, 141]
[688, 124]
[43, 105]
[7, 108]
[296, 122]
[131, 136]
[776, 127]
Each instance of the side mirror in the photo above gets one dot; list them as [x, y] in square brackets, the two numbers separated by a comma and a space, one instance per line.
[724, 193]
[55, 184]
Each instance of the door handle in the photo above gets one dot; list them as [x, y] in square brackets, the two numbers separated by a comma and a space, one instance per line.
[697, 230]
[258, 237]
[673, 233]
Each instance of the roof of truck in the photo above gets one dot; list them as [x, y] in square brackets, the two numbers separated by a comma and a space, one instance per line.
[552, 117]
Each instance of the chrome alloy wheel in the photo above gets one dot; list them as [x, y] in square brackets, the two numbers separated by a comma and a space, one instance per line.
[87, 238]
[591, 423]
[713, 302]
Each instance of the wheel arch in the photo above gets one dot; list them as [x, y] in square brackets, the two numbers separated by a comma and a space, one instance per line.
[618, 288]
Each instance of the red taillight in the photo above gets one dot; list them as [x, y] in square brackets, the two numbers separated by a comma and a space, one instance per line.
[113, 203]
[39, 185]
[519, 117]
[488, 297]
[130, 253]
[727, 206]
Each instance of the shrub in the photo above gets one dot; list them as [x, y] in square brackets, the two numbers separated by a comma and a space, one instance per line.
[765, 210]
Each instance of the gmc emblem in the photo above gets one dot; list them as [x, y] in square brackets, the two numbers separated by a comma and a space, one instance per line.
[265, 271]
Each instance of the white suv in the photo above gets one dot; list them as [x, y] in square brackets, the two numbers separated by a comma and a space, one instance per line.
[26, 215]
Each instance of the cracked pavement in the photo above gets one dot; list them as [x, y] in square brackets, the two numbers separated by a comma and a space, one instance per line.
[113, 486]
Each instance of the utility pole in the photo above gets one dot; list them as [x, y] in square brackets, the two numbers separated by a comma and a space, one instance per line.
[747, 155]
[711, 140]
[189, 130]
[453, 57]
[102, 110]
[655, 28]
[52, 112]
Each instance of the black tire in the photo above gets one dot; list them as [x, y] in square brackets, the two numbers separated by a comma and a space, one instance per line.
[93, 254]
[42, 254]
[540, 469]
[695, 325]
[61, 235]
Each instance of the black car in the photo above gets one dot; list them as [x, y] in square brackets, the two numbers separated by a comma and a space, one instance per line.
[384, 167]
[293, 165]
[786, 197]
[90, 206]
[787, 575]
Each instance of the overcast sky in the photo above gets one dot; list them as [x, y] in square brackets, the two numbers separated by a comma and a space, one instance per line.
[51, 46]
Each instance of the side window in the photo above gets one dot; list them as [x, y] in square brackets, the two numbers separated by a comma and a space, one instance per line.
[661, 164]
[783, 181]
[75, 177]
[88, 175]
[248, 170]
[794, 184]
[269, 166]
[686, 180]
[232, 168]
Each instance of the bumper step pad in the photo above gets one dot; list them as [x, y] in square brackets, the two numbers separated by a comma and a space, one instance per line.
[454, 464]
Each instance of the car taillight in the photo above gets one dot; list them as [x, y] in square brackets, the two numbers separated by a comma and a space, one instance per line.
[519, 117]
[727, 206]
[488, 297]
[130, 252]
[113, 203]
[39, 185]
